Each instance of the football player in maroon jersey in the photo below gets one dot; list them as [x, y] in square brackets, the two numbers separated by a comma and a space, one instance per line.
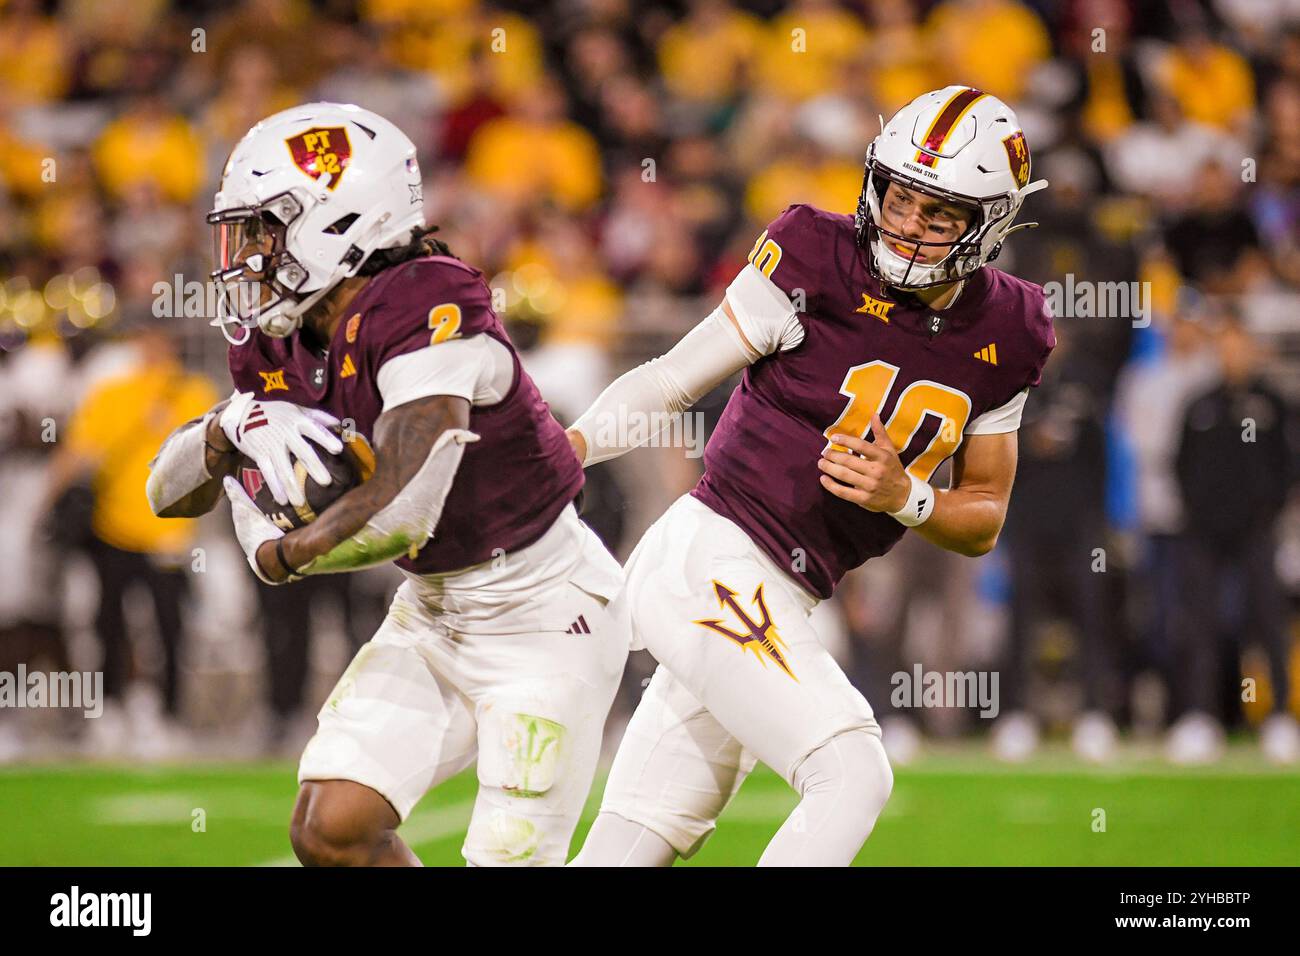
[498, 648]
[874, 348]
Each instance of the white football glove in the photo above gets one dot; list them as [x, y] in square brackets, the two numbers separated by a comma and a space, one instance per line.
[269, 432]
[252, 528]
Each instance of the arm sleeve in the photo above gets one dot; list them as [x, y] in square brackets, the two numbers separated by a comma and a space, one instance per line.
[998, 421]
[478, 369]
[181, 466]
[706, 356]
[406, 523]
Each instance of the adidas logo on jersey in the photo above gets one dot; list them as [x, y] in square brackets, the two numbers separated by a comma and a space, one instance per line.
[988, 354]
[349, 368]
[579, 626]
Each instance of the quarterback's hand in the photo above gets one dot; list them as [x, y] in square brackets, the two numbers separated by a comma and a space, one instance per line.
[254, 529]
[270, 432]
[869, 474]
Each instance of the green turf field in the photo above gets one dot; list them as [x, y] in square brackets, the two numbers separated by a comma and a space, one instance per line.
[956, 809]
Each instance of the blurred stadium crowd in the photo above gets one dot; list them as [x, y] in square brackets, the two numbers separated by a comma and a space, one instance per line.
[608, 164]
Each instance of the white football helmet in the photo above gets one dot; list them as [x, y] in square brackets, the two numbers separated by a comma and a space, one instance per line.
[305, 197]
[960, 145]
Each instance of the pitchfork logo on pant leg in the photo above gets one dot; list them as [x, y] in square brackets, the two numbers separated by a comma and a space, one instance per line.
[760, 637]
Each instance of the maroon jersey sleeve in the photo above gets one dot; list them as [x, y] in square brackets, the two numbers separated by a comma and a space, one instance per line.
[1029, 345]
[425, 302]
[791, 252]
[1041, 333]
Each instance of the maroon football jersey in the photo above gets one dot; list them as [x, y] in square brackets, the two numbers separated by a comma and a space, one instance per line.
[511, 484]
[866, 348]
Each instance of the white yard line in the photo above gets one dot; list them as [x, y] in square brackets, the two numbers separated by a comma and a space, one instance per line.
[152, 807]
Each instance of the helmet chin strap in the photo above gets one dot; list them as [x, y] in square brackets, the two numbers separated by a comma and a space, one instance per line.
[223, 324]
[281, 324]
[300, 309]
[961, 287]
[920, 272]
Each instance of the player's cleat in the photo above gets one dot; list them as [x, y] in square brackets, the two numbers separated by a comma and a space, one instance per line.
[1015, 737]
[1279, 738]
[1095, 738]
[1195, 739]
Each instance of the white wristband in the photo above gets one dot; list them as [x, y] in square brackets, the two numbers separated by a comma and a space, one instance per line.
[920, 504]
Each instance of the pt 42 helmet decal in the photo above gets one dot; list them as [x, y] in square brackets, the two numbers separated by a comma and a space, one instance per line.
[1018, 157]
[322, 150]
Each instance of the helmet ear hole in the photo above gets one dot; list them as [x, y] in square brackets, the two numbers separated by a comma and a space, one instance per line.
[342, 224]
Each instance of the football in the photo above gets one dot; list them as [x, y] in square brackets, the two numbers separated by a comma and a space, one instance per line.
[353, 465]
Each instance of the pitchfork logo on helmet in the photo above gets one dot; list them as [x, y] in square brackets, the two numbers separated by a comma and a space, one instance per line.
[961, 146]
[306, 196]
